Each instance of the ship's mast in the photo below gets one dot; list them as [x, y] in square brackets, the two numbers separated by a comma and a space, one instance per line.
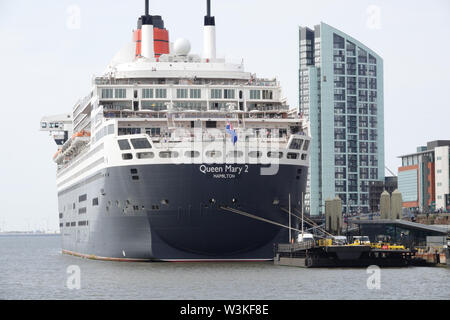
[209, 35]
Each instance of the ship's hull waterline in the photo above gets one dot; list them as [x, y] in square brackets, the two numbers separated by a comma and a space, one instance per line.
[181, 212]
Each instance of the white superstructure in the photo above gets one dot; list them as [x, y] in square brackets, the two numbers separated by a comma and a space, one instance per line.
[181, 106]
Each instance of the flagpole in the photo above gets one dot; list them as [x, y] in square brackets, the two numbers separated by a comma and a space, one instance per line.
[302, 214]
[290, 218]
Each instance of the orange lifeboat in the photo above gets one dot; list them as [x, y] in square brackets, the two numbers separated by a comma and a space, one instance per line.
[56, 154]
[81, 134]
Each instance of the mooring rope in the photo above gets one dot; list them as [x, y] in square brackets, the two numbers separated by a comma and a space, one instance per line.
[308, 221]
[249, 215]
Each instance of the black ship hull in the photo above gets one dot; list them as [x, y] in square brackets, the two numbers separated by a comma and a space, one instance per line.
[183, 212]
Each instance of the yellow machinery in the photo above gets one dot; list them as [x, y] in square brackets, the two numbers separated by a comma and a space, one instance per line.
[387, 246]
[396, 247]
[325, 242]
[360, 241]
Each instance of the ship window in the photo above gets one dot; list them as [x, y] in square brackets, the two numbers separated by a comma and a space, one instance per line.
[61, 225]
[235, 154]
[133, 171]
[145, 155]
[147, 93]
[168, 154]
[43, 125]
[228, 94]
[255, 154]
[67, 224]
[216, 93]
[95, 202]
[303, 156]
[107, 93]
[129, 131]
[82, 223]
[120, 93]
[275, 154]
[127, 156]
[296, 144]
[196, 94]
[217, 105]
[214, 154]
[292, 155]
[294, 129]
[60, 215]
[211, 124]
[306, 146]
[135, 177]
[141, 143]
[82, 211]
[161, 93]
[192, 154]
[124, 145]
[82, 198]
[182, 93]
[267, 94]
[73, 224]
[153, 132]
[255, 94]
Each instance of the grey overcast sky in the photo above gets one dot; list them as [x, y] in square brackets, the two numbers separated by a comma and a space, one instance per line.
[48, 56]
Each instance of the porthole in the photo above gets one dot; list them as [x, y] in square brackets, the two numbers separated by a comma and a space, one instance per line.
[235, 154]
[127, 156]
[168, 154]
[255, 154]
[213, 154]
[192, 154]
[275, 155]
[145, 155]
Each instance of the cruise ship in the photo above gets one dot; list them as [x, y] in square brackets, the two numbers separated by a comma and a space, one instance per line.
[175, 156]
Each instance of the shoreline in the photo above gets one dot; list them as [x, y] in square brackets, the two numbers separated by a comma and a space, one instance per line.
[6, 234]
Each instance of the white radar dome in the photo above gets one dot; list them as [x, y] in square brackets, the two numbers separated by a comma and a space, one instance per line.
[182, 47]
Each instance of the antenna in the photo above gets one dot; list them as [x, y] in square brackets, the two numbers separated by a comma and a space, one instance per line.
[209, 21]
[146, 8]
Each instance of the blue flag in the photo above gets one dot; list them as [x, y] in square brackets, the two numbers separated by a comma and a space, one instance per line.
[232, 133]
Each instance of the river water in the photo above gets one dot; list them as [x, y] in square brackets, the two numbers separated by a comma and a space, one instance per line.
[32, 267]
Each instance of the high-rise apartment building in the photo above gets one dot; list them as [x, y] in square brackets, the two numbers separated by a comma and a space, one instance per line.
[341, 92]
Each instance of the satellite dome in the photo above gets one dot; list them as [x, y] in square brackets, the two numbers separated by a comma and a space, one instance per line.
[182, 47]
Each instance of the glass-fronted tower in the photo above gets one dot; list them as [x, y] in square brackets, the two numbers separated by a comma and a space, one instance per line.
[341, 93]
